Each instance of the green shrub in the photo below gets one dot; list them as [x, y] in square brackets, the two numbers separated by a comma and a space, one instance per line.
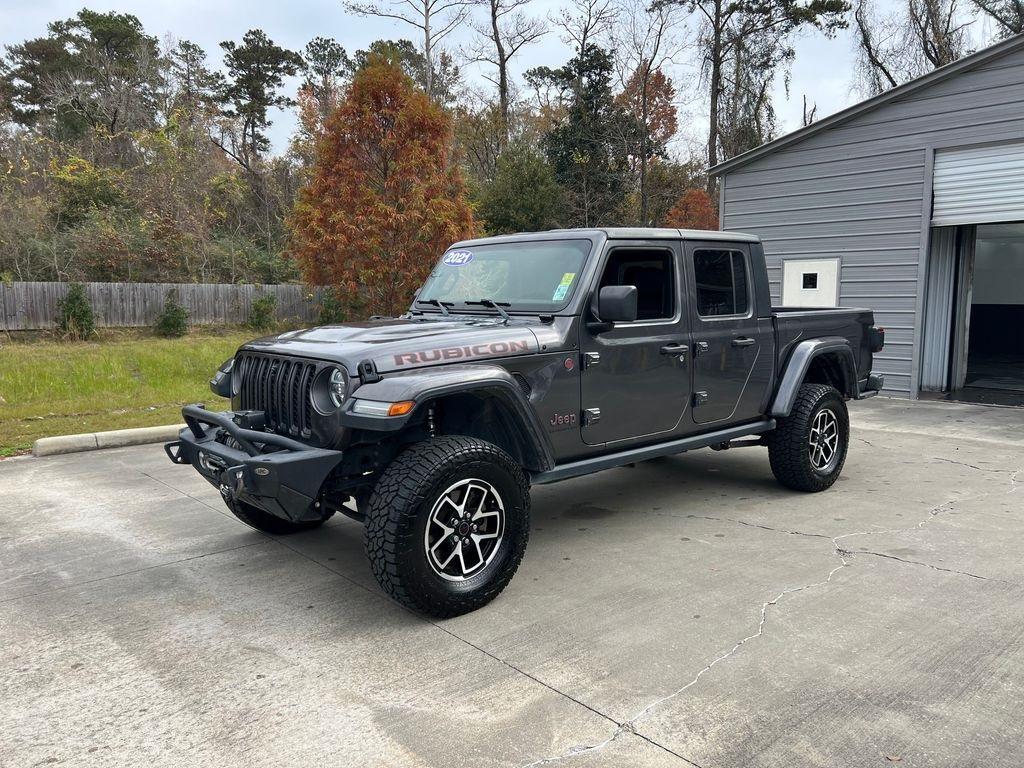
[332, 309]
[261, 316]
[76, 320]
[172, 321]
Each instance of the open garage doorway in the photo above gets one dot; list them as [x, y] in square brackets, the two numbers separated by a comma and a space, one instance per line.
[995, 343]
[974, 314]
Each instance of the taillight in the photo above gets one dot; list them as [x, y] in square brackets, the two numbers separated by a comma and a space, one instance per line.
[877, 339]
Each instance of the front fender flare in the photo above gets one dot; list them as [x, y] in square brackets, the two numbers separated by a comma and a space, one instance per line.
[799, 363]
[426, 384]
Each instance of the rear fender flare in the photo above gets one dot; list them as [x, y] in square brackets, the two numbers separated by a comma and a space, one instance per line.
[799, 363]
[429, 384]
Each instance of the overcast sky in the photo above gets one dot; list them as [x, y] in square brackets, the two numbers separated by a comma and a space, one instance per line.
[822, 69]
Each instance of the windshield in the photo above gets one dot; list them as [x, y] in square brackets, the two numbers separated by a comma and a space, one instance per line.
[527, 276]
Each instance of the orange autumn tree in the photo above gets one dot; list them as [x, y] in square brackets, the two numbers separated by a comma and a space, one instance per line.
[694, 210]
[385, 198]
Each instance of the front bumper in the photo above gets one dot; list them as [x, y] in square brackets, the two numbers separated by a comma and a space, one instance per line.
[274, 473]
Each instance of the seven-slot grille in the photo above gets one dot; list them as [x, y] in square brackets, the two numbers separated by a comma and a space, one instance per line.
[280, 387]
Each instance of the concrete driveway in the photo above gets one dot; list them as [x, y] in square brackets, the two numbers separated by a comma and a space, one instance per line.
[686, 611]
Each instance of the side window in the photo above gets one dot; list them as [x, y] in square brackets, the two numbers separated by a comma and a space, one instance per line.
[721, 278]
[651, 272]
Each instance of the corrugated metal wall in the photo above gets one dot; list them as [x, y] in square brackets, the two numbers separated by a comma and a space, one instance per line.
[938, 309]
[861, 191]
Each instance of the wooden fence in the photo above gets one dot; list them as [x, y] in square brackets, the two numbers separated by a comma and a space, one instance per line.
[33, 306]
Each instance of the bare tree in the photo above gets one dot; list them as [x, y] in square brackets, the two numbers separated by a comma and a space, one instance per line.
[117, 94]
[901, 46]
[880, 60]
[584, 21]
[506, 31]
[810, 113]
[941, 36]
[731, 29]
[645, 40]
[748, 117]
[435, 19]
[1008, 14]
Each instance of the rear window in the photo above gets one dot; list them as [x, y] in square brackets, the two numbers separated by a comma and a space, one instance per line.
[721, 278]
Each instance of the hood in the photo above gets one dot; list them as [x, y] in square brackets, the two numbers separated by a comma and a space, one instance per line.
[405, 343]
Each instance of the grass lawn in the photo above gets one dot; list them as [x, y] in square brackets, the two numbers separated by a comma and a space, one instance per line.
[124, 379]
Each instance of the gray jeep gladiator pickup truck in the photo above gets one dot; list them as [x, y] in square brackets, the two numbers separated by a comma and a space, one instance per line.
[526, 359]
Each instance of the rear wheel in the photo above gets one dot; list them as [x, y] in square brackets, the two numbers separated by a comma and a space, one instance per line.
[808, 448]
[268, 523]
[447, 525]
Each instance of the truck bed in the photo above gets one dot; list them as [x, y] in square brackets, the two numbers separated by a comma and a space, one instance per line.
[794, 324]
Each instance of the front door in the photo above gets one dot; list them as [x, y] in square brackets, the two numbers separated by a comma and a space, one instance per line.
[635, 380]
[731, 346]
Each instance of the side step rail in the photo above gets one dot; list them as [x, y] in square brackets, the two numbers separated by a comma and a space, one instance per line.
[632, 455]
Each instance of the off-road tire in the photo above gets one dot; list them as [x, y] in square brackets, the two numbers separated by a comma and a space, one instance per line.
[401, 503]
[789, 449]
[268, 523]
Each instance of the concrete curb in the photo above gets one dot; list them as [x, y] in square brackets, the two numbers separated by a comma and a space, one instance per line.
[94, 441]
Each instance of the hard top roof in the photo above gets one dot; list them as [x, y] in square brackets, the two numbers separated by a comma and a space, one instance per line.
[619, 233]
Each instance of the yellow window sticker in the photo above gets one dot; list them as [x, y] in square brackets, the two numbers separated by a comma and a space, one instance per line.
[563, 286]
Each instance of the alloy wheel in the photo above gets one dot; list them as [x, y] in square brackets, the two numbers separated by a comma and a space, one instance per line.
[824, 441]
[464, 530]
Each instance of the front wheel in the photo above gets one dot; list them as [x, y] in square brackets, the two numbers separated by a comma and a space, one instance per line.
[447, 525]
[808, 448]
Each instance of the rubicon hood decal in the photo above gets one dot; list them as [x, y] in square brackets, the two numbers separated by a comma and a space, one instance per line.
[403, 344]
[447, 354]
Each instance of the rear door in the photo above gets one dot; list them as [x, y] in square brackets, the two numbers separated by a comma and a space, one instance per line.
[732, 348]
[635, 380]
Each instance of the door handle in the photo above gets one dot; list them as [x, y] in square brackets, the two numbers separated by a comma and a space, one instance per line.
[675, 349]
[743, 341]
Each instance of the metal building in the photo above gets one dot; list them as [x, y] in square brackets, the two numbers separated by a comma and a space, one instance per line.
[911, 203]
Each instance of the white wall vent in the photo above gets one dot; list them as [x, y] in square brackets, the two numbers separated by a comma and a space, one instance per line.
[810, 283]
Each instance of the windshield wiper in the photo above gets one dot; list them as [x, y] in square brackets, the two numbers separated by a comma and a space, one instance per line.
[493, 305]
[442, 305]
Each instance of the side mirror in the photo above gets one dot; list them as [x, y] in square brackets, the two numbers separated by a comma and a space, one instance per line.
[617, 304]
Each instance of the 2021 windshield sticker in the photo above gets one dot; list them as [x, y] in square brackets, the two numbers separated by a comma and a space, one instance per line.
[563, 287]
[457, 258]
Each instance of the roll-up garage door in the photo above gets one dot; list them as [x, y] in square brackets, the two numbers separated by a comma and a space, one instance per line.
[978, 186]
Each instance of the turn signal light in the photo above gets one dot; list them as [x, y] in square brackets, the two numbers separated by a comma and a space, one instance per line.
[402, 408]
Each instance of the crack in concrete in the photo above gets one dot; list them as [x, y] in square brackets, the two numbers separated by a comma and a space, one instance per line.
[928, 565]
[763, 527]
[630, 725]
[965, 464]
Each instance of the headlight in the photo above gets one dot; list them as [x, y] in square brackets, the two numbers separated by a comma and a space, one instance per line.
[330, 390]
[337, 387]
